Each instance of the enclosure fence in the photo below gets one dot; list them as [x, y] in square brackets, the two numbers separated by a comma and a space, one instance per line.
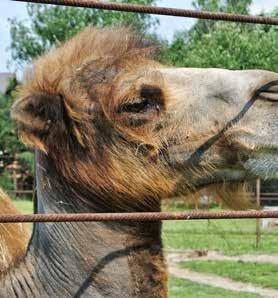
[176, 12]
[147, 216]
[136, 216]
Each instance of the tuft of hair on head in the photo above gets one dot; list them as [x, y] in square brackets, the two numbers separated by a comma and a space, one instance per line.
[76, 77]
[51, 71]
[84, 94]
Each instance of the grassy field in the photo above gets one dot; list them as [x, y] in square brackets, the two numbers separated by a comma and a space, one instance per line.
[25, 206]
[232, 237]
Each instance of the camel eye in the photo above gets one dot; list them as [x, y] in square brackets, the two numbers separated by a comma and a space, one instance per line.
[149, 100]
[138, 105]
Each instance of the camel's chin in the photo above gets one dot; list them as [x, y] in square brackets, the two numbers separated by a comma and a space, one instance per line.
[263, 165]
[216, 177]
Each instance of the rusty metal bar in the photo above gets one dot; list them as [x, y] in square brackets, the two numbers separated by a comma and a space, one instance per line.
[143, 216]
[177, 12]
[258, 203]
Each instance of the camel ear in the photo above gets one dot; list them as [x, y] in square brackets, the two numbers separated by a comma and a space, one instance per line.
[38, 111]
[143, 108]
[38, 115]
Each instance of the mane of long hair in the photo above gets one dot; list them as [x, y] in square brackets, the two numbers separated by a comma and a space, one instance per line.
[89, 150]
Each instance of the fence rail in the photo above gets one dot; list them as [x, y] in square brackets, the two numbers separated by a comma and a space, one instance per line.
[136, 216]
[177, 12]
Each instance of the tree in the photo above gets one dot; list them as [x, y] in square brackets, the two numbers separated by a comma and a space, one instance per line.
[50, 25]
[223, 44]
[8, 139]
[230, 6]
[10, 147]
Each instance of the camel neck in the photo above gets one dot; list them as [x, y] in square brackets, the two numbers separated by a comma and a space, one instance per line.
[85, 259]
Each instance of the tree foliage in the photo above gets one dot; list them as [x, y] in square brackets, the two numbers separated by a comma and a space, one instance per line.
[10, 146]
[224, 44]
[8, 139]
[50, 25]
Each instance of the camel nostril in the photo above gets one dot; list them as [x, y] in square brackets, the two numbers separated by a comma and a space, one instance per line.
[269, 92]
[270, 96]
[274, 88]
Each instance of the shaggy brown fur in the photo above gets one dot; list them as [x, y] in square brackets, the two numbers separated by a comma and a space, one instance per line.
[75, 107]
[84, 84]
[13, 237]
[77, 94]
[236, 196]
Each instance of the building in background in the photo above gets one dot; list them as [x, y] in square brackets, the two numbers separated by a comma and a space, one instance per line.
[5, 78]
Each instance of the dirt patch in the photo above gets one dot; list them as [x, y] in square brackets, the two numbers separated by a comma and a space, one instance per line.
[207, 255]
[174, 257]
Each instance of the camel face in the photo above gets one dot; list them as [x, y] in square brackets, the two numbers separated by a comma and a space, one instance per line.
[116, 121]
[226, 122]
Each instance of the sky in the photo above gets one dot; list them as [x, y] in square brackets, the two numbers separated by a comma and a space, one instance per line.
[168, 25]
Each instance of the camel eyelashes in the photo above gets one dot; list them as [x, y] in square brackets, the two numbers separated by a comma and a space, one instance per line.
[150, 99]
[139, 105]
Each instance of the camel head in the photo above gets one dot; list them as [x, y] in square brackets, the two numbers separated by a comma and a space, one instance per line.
[118, 123]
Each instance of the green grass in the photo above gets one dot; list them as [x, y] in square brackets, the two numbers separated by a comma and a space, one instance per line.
[232, 237]
[264, 275]
[25, 206]
[180, 288]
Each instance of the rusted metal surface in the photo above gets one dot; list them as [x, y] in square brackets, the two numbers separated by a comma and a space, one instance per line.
[143, 216]
[160, 11]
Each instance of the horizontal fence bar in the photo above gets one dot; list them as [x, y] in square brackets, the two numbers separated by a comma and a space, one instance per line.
[142, 216]
[21, 191]
[177, 12]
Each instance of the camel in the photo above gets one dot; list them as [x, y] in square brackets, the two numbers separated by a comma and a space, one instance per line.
[13, 237]
[116, 131]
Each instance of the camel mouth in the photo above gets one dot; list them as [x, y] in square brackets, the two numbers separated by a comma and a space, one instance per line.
[258, 155]
[256, 160]
[262, 161]
[263, 164]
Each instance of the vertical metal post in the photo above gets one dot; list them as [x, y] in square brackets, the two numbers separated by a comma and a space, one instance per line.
[14, 175]
[258, 205]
